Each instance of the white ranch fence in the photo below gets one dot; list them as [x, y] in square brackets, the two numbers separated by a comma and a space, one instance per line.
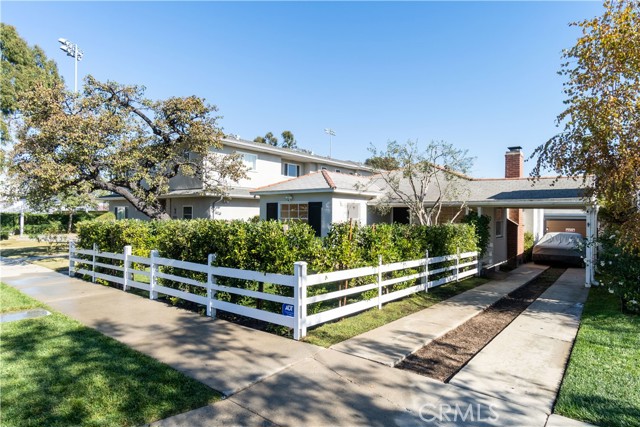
[310, 300]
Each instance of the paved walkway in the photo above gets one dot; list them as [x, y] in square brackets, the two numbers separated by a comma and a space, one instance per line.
[271, 380]
[391, 343]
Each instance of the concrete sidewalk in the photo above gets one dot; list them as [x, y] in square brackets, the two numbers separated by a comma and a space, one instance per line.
[525, 363]
[271, 380]
[391, 343]
[225, 356]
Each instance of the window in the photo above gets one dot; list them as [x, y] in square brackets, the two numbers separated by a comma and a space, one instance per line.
[249, 160]
[294, 212]
[187, 212]
[499, 221]
[290, 169]
[121, 212]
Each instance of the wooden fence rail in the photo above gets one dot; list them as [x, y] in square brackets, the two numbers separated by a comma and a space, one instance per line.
[358, 289]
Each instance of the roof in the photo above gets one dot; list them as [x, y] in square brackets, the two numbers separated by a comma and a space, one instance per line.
[238, 192]
[321, 182]
[294, 154]
[505, 192]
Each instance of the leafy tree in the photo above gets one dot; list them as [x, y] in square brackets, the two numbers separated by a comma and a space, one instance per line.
[601, 136]
[22, 67]
[113, 138]
[384, 163]
[425, 179]
[288, 140]
[267, 139]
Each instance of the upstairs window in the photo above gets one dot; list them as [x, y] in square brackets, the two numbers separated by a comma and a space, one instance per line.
[290, 169]
[250, 160]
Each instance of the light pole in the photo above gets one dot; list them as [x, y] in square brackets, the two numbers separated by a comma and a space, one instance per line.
[331, 134]
[73, 51]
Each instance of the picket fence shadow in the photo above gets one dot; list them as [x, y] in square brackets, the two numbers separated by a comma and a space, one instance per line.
[305, 300]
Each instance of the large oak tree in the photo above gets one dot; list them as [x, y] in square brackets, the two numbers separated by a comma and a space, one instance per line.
[113, 138]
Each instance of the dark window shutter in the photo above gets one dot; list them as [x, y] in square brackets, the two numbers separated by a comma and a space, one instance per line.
[272, 211]
[126, 212]
[315, 216]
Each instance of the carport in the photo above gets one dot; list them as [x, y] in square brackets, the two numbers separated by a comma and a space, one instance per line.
[505, 199]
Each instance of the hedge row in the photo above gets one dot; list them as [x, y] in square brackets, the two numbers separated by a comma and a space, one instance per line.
[273, 247]
[34, 222]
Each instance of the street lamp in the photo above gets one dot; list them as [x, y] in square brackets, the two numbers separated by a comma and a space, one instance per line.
[72, 50]
[331, 134]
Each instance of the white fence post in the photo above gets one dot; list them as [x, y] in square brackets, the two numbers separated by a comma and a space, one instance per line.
[211, 294]
[72, 250]
[152, 279]
[379, 282]
[93, 263]
[300, 297]
[127, 267]
[458, 264]
[478, 264]
[426, 271]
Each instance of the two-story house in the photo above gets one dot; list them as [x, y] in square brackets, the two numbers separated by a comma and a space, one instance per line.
[265, 164]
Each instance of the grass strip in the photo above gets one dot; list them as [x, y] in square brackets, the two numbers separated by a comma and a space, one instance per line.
[332, 333]
[56, 372]
[602, 382]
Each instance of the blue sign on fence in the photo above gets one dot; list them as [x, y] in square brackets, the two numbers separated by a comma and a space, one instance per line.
[287, 310]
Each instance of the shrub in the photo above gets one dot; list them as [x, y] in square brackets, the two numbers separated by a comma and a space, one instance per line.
[619, 270]
[482, 224]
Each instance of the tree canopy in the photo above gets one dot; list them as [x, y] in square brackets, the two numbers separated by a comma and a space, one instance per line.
[22, 67]
[288, 140]
[425, 178]
[601, 136]
[113, 138]
[385, 163]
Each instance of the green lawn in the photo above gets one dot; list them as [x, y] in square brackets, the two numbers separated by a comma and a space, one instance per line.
[335, 332]
[602, 382]
[28, 248]
[56, 372]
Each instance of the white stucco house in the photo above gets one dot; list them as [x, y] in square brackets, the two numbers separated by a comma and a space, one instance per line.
[266, 165]
[285, 184]
[514, 203]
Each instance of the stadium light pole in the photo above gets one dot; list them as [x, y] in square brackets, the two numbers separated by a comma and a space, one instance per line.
[331, 134]
[72, 50]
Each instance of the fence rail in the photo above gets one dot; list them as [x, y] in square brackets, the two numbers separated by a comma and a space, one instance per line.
[328, 296]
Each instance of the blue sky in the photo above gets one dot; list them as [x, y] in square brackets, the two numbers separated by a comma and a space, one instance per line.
[480, 75]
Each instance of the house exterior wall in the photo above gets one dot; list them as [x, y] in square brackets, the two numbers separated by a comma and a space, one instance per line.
[349, 208]
[132, 213]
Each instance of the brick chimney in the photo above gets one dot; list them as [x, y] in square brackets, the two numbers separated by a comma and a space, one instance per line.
[514, 168]
[514, 163]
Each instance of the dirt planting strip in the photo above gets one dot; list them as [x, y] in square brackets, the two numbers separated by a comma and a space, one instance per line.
[442, 358]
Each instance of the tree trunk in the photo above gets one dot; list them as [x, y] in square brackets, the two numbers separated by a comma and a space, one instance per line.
[70, 221]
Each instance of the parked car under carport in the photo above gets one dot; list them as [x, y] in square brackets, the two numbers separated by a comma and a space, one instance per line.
[560, 248]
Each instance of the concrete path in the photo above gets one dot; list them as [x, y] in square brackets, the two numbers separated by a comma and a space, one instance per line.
[525, 363]
[276, 381]
[391, 343]
[223, 355]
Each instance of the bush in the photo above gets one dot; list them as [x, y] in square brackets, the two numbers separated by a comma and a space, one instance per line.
[482, 224]
[619, 270]
[274, 247]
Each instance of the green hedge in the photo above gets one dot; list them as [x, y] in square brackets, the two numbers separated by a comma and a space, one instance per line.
[35, 222]
[274, 247]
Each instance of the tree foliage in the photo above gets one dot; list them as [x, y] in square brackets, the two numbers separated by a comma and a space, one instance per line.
[385, 163]
[267, 139]
[112, 138]
[601, 136]
[426, 178]
[22, 67]
[288, 140]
